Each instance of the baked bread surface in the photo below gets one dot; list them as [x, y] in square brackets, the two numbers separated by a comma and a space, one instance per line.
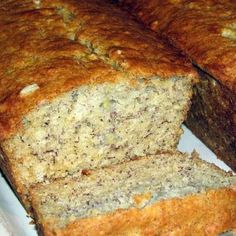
[203, 30]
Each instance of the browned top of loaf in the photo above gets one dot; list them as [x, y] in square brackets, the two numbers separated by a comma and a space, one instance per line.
[204, 29]
[58, 45]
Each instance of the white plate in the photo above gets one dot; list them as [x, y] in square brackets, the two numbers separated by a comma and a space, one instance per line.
[13, 217]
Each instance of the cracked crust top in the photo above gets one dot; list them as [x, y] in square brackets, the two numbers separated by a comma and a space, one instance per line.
[50, 47]
[205, 30]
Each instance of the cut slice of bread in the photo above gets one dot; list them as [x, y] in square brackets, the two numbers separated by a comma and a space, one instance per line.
[165, 194]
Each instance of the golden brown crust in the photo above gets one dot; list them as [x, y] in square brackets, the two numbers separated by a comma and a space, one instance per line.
[203, 30]
[207, 213]
[57, 46]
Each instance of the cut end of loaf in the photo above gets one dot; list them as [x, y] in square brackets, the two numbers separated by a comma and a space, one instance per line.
[138, 184]
[98, 125]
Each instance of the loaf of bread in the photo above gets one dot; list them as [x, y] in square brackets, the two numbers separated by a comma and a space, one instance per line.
[205, 30]
[83, 86]
[166, 194]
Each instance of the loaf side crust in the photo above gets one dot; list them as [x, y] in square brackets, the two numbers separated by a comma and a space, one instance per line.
[62, 49]
[207, 213]
[212, 118]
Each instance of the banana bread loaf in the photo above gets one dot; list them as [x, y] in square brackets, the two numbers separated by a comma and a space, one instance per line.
[83, 86]
[186, 196]
[206, 32]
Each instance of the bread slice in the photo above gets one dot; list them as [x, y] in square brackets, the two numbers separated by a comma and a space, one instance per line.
[78, 95]
[165, 194]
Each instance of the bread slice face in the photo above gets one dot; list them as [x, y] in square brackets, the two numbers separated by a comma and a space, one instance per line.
[97, 125]
[154, 195]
